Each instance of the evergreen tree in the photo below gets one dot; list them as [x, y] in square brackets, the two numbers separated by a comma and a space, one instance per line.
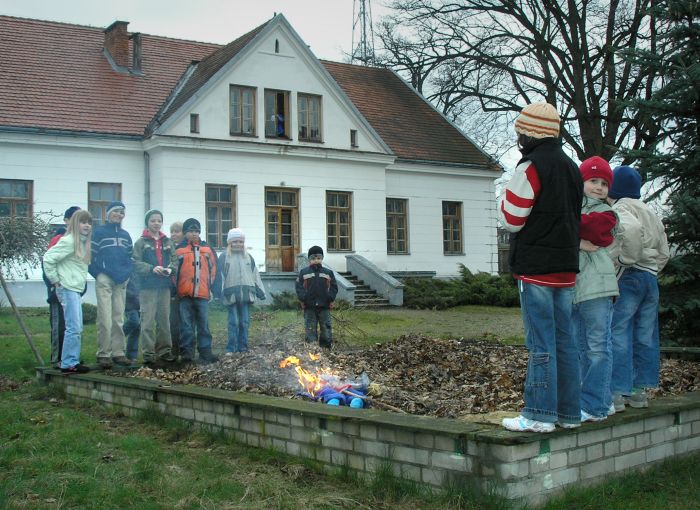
[674, 162]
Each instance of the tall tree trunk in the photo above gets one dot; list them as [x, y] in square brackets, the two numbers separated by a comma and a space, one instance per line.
[22, 325]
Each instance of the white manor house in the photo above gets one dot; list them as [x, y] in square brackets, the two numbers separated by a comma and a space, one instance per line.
[258, 134]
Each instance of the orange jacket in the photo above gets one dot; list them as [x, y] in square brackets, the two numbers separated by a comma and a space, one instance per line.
[196, 269]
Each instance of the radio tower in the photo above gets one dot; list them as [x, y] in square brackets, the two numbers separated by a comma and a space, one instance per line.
[362, 33]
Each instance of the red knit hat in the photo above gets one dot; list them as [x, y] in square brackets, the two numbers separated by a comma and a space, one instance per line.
[596, 167]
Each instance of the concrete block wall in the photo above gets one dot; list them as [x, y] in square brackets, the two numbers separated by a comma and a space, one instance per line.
[431, 451]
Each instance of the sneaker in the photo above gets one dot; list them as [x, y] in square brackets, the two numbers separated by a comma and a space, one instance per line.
[121, 360]
[522, 424]
[208, 357]
[168, 358]
[611, 410]
[152, 363]
[186, 357]
[638, 399]
[589, 417]
[76, 369]
[104, 363]
[619, 403]
[568, 425]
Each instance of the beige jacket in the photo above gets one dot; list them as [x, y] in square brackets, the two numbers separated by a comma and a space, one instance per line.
[641, 239]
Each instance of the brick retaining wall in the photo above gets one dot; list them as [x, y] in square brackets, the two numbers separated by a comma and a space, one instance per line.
[433, 451]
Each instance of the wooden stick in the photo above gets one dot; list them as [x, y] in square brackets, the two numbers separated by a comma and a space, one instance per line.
[22, 325]
[387, 407]
[348, 392]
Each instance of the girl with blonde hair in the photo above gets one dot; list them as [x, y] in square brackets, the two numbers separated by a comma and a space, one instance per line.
[66, 267]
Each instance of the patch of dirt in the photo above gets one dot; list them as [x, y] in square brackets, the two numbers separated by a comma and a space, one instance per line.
[416, 374]
[7, 384]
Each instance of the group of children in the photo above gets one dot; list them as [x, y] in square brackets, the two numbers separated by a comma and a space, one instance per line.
[163, 286]
[593, 337]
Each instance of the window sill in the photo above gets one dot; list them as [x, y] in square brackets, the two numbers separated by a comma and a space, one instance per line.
[454, 254]
[246, 135]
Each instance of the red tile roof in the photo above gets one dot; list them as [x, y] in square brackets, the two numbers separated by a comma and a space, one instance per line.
[54, 76]
[409, 125]
[206, 69]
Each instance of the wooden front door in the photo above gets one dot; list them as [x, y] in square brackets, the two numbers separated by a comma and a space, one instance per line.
[281, 229]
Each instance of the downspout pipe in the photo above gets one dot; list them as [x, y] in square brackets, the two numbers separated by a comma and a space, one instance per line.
[147, 181]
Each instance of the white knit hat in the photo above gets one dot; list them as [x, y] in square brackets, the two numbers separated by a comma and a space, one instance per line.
[538, 120]
[235, 233]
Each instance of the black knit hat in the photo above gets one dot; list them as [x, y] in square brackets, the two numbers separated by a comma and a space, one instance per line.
[191, 224]
[315, 250]
[69, 212]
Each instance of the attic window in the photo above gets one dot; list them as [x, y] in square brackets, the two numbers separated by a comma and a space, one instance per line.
[194, 123]
[353, 138]
[277, 46]
[309, 110]
[276, 114]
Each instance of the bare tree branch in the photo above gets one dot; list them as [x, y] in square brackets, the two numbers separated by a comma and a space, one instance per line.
[502, 54]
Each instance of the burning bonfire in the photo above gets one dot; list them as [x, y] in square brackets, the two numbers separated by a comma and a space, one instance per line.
[323, 386]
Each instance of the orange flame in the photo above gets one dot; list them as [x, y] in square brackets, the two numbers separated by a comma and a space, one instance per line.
[289, 360]
[314, 357]
[311, 382]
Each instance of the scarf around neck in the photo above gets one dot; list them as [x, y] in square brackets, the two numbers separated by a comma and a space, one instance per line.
[157, 242]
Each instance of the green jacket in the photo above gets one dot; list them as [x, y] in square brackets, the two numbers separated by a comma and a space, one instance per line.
[596, 277]
[62, 266]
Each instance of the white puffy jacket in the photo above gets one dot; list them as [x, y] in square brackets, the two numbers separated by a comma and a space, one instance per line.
[641, 239]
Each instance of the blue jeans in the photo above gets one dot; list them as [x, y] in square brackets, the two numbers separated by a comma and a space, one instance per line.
[553, 382]
[591, 321]
[132, 327]
[318, 319]
[238, 324]
[635, 333]
[73, 315]
[194, 313]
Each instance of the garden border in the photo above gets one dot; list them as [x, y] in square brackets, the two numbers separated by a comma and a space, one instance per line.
[435, 451]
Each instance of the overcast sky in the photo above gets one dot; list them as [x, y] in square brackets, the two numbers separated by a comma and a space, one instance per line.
[325, 25]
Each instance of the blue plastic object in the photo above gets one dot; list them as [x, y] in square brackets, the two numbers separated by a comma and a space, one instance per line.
[333, 402]
[357, 403]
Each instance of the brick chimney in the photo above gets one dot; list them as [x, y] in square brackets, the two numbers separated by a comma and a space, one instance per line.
[117, 43]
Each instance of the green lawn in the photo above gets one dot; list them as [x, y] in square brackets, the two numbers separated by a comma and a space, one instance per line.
[56, 453]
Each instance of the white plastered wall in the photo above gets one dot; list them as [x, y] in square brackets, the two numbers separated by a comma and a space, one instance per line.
[180, 175]
[426, 188]
[292, 70]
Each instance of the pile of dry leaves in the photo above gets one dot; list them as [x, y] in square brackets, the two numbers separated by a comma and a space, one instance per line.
[416, 374]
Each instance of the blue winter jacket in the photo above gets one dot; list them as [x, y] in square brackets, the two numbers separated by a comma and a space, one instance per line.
[111, 252]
